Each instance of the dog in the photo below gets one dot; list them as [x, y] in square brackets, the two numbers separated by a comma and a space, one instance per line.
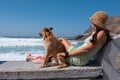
[52, 46]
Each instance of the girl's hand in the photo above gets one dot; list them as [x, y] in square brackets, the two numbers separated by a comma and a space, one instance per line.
[61, 54]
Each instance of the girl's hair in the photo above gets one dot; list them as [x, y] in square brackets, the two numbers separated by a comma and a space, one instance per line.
[98, 29]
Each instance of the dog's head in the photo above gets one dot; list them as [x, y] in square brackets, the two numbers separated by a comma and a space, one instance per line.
[45, 32]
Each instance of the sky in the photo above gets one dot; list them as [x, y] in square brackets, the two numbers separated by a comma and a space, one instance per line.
[67, 17]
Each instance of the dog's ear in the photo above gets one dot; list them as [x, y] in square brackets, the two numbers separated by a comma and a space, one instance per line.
[46, 29]
[51, 28]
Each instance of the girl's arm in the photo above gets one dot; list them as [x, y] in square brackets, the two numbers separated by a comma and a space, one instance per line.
[100, 40]
[82, 50]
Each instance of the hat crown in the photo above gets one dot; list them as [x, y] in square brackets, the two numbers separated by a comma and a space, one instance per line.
[99, 18]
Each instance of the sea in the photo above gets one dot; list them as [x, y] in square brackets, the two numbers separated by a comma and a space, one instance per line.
[14, 48]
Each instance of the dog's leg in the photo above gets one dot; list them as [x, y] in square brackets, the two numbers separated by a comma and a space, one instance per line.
[43, 64]
[52, 63]
[55, 60]
[62, 63]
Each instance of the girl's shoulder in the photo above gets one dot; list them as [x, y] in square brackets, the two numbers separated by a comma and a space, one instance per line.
[102, 37]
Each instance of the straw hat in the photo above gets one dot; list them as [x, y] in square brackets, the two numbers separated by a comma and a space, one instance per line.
[99, 18]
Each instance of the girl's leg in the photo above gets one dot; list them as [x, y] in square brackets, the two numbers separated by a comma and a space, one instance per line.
[65, 42]
[39, 60]
[29, 57]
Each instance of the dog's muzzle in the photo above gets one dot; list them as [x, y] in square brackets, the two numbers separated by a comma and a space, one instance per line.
[40, 35]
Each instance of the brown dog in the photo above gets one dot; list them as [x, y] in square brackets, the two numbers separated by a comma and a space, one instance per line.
[52, 46]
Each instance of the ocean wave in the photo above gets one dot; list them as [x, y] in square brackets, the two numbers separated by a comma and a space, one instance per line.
[15, 48]
[74, 42]
[9, 42]
[17, 56]
[11, 57]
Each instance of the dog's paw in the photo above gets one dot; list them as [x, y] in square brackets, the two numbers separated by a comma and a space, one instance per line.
[42, 66]
[54, 64]
[62, 66]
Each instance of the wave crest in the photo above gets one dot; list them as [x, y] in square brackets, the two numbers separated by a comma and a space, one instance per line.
[10, 42]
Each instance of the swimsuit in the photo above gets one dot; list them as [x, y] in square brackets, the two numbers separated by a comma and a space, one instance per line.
[82, 59]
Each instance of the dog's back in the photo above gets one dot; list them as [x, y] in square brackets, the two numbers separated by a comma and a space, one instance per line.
[51, 42]
[56, 46]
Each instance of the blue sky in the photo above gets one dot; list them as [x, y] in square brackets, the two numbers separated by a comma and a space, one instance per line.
[67, 17]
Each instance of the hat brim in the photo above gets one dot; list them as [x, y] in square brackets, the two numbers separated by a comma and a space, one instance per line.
[97, 23]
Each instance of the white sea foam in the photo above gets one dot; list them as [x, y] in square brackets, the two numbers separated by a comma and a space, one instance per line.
[14, 48]
[11, 57]
[15, 56]
[7, 42]
[74, 42]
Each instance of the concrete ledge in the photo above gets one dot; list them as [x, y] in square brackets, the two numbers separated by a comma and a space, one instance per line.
[29, 70]
[111, 60]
